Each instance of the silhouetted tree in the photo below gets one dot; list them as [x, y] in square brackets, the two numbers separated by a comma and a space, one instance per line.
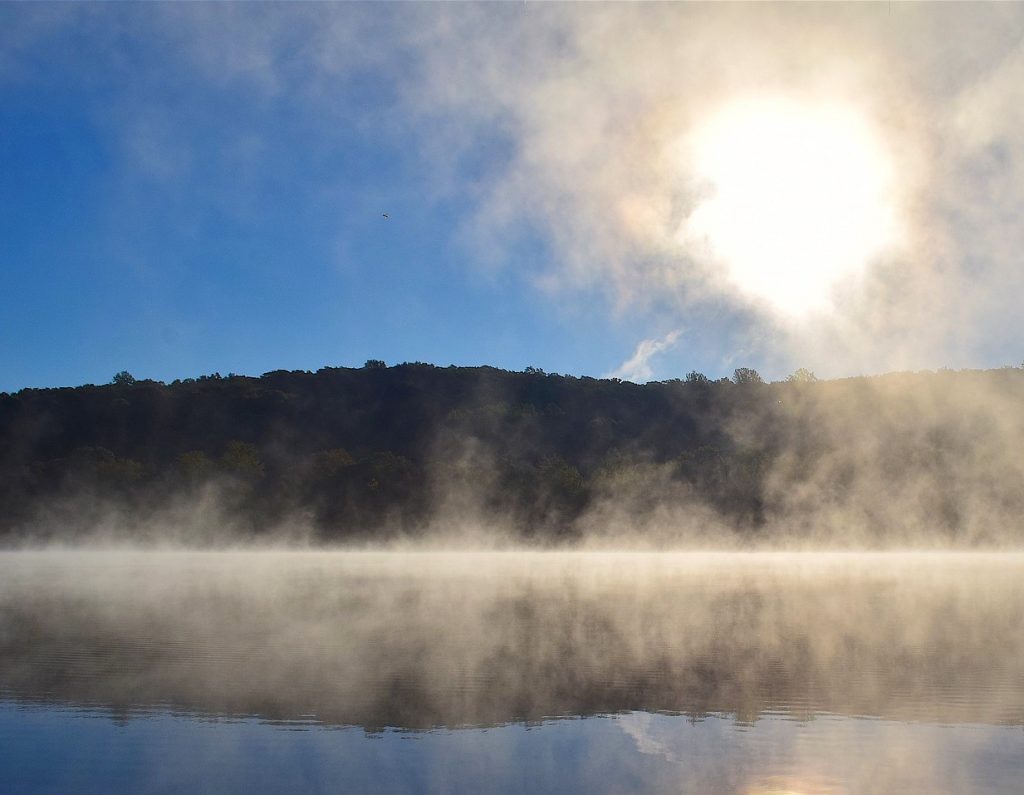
[802, 376]
[746, 375]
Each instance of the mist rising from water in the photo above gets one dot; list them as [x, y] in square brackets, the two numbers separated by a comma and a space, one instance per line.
[422, 639]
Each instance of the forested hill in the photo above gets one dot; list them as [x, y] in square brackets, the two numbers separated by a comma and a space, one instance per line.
[378, 451]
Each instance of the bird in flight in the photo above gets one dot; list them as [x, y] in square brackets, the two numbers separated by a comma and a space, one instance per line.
[385, 215]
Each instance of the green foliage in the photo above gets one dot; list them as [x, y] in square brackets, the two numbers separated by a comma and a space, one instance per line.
[375, 364]
[242, 459]
[98, 467]
[123, 378]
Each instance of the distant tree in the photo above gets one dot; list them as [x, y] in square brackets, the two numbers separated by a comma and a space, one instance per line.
[194, 465]
[693, 377]
[375, 364]
[242, 458]
[123, 378]
[561, 485]
[747, 375]
[802, 376]
[99, 466]
[534, 371]
[329, 463]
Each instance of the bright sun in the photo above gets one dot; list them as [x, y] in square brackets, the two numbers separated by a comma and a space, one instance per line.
[794, 198]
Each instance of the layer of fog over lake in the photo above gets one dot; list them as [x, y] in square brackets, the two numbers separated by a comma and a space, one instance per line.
[413, 578]
[588, 671]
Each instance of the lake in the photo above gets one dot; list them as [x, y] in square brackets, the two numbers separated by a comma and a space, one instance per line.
[589, 672]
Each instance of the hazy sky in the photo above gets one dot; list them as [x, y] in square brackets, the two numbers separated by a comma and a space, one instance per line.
[590, 189]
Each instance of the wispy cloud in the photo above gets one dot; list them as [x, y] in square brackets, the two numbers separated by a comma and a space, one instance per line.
[638, 366]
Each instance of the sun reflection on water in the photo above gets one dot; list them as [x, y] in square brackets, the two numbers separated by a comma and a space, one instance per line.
[783, 785]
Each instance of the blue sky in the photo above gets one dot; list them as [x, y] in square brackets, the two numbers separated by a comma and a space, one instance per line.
[190, 188]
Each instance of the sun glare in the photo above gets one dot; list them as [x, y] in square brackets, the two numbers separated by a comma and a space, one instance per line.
[793, 198]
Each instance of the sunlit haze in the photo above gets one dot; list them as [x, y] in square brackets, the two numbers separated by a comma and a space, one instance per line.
[792, 198]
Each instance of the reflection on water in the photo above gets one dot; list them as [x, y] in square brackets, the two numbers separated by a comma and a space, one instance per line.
[704, 673]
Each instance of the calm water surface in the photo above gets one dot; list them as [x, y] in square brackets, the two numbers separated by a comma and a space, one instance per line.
[511, 672]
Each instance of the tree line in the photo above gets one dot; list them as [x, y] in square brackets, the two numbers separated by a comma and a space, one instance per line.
[365, 453]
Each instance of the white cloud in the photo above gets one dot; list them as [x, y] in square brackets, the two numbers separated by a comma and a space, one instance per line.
[596, 99]
[638, 367]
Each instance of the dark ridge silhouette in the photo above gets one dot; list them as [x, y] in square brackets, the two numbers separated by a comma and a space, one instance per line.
[368, 453]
